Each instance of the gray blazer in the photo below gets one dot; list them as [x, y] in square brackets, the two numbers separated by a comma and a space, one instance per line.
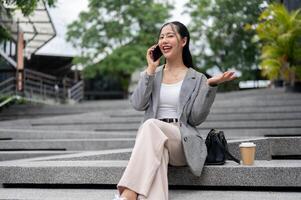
[196, 98]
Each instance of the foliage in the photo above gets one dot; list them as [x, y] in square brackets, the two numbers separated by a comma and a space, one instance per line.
[28, 6]
[3, 97]
[279, 34]
[218, 31]
[4, 34]
[114, 35]
[16, 100]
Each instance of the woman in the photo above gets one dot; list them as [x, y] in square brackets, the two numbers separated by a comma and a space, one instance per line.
[176, 99]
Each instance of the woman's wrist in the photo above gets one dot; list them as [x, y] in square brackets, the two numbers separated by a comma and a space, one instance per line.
[151, 70]
[212, 83]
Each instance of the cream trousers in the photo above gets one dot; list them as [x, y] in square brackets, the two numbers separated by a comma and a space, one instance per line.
[157, 144]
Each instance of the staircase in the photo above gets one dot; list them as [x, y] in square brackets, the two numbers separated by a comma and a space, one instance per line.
[40, 87]
[80, 151]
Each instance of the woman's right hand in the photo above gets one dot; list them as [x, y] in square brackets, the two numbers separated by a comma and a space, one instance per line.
[151, 64]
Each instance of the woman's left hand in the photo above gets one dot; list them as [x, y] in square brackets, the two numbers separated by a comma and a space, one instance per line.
[221, 78]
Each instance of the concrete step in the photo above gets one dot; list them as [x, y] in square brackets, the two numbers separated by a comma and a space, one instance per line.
[261, 174]
[246, 123]
[211, 117]
[275, 93]
[218, 108]
[266, 148]
[106, 167]
[116, 154]
[15, 155]
[108, 194]
[270, 147]
[72, 134]
[263, 151]
[133, 118]
[137, 119]
[227, 121]
[67, 144]
[111, 154]
[250, 102]
[281, 146]
[21, 133]
[44, 110]
[282, 109]
[272, 124]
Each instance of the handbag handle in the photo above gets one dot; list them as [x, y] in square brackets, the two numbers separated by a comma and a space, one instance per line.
[228, 153]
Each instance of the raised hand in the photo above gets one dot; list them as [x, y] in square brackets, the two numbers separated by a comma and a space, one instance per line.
[221, 78]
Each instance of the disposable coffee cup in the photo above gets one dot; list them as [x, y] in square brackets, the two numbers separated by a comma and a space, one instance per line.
[247, 153]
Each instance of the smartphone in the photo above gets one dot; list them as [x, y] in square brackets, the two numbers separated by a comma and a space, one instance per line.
[157, 53]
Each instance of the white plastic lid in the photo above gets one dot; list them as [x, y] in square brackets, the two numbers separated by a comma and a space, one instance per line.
[247, 144]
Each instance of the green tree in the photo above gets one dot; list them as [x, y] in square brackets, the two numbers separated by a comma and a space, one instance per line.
[218, 31]
[279, 34]
[114, 35]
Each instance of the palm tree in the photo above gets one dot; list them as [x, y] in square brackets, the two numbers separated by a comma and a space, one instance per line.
[279, 33]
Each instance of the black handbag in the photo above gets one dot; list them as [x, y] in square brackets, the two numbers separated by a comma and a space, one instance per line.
[217, 148]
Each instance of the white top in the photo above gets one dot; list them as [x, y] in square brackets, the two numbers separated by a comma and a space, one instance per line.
[169, 99]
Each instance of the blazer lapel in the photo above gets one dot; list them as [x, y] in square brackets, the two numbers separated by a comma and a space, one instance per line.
[157, 87]
[187, 88]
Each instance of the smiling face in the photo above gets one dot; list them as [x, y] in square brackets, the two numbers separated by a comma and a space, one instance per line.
[170, 42]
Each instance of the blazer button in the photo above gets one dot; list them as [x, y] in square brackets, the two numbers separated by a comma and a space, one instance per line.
[185, 139]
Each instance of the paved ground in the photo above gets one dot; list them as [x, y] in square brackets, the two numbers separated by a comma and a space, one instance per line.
[105, 194]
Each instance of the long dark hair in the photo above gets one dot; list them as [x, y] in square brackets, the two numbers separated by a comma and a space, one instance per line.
[183, 32]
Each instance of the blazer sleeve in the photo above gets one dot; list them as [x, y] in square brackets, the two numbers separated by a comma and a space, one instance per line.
[202, 103]
[142, 94]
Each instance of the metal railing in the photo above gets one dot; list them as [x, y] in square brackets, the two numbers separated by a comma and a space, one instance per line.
[42, 86]
[39, 84]
[8, 86]
[76, 92]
